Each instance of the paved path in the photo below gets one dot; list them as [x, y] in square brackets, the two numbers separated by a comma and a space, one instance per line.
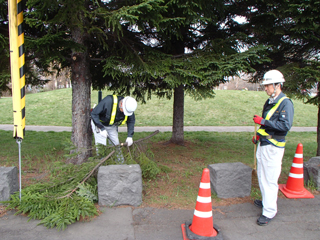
[160, 128]
[296, 219]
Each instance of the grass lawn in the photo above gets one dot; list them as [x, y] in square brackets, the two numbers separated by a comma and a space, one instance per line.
[177, 187]
[228, 108]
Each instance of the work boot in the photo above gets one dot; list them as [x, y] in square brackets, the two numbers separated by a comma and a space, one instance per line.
[263, 220]
[258, 203]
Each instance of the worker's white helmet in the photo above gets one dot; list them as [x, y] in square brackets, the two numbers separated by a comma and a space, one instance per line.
[129, 106]
[273, 76]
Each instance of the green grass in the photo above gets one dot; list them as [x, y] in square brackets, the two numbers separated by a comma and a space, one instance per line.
[43, 151]
[228, 108]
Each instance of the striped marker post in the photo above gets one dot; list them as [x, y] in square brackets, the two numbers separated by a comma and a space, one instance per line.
[202, 223]
[295, 184]
[17, 62]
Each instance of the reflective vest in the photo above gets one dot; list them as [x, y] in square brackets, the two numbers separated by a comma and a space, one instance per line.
[114, 111]
[262, 132]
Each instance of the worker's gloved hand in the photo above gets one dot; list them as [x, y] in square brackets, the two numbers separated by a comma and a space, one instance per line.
[259, 120]
[255, 140]
[129, 141]
[104, 133]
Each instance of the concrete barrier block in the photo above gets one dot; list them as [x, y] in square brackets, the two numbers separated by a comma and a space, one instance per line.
[120, 185]
[9, 182]
[229, 180]
[312, 171]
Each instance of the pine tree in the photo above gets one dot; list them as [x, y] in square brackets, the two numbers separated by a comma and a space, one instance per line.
[137, 48]
[4, 48]
[81, 34]
[290, 30]
[32, 78]
[211, 36]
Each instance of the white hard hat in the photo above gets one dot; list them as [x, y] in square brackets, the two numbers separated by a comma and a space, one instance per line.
[129, 106]
[273, 76]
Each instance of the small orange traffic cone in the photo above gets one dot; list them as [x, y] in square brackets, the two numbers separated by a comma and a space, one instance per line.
[202, 223]
[294, 187]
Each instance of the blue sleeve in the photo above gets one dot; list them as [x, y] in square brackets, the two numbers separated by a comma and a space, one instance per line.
[130, 125]
[101, 108]
[284, 119]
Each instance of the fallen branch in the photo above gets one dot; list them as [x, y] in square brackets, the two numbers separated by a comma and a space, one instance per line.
[104, 159]
[147, 137]
[92, 171]
[139, 140]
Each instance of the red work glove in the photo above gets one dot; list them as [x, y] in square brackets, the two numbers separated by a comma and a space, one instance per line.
[255, 140]
[257, 119]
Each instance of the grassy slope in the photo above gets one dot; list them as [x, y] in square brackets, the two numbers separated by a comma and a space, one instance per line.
[228, 108]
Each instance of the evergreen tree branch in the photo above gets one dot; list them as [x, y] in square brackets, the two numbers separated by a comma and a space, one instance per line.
[86, 178]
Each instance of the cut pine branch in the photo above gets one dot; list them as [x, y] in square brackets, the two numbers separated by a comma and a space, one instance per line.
[89, 175]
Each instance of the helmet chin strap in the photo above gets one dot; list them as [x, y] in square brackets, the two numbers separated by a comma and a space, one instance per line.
[272, 97]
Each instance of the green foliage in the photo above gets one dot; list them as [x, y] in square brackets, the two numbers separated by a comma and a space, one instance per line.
[4, 52]
[302, 80]
[66, 198]
[161, 63]
[139, 153]
[51, 203]
[164, 168]
[88, 191]
[68, 212]
[149, 168]
[312, 185]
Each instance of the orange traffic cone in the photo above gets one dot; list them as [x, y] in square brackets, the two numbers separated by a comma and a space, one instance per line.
[202, 223]
[294, 187]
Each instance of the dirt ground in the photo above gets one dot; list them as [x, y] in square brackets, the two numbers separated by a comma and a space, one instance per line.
[2, 211]
[186, 175]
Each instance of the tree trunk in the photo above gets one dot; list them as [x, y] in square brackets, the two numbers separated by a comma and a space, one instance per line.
[178, 113]
[318, 132]
[81, 96]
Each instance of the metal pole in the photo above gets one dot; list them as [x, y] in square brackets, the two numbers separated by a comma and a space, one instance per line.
[19, 141]
[255, 147]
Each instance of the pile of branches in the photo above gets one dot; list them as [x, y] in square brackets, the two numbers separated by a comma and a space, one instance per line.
[71, 193]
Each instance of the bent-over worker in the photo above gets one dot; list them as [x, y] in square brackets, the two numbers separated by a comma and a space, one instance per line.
[111, 112]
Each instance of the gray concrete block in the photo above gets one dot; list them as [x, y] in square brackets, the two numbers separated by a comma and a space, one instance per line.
[120, 185]
[311, 171]
[9, 182]
[229, 180]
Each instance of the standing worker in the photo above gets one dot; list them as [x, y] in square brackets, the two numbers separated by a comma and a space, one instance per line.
[111, 112]
[276, 121]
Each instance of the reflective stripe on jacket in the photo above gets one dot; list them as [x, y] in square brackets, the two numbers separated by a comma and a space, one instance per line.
[114, 111]
[102, 114]
[276, 126]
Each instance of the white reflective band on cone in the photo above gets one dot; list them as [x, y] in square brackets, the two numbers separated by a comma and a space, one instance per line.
[297, 165]
[293, 175]
[203, 214]
[204, 185]
[204, 199]
[298, 155]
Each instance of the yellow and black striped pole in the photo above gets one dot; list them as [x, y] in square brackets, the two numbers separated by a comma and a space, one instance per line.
[17, 62]
[16, 36]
